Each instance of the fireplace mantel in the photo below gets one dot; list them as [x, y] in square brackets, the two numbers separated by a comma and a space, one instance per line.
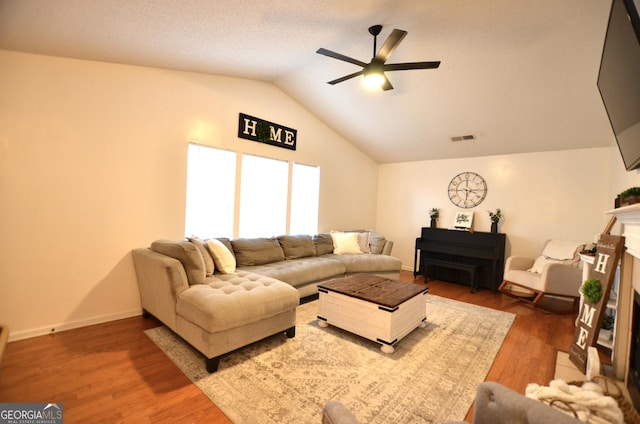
[630, 217]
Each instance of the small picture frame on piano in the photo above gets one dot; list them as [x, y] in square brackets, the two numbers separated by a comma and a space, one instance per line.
[463, 220]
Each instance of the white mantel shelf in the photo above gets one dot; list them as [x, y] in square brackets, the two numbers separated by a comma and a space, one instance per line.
[630, 217]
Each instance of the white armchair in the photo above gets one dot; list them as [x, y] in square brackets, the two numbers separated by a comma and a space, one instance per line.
[556, 272]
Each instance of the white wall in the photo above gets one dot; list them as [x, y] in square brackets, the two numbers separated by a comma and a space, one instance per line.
[93, 164]
[544, 195]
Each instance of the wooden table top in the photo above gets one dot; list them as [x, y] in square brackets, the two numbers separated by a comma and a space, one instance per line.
[374, 289]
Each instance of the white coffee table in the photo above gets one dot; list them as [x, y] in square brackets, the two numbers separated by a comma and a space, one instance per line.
[373, 307]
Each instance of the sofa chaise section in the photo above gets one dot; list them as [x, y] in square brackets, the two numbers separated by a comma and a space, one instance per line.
[215, 314]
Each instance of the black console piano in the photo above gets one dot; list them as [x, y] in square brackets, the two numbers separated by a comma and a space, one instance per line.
[473, 258]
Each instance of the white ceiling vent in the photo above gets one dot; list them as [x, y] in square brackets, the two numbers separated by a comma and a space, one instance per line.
[464, 137]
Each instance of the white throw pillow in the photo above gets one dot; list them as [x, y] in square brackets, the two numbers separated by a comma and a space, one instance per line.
[224, 260]
[344, 243]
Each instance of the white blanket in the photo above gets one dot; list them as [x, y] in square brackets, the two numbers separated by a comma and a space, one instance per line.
[561, 249]
[588, 401]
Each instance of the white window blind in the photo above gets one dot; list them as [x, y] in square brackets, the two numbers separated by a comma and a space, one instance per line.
[305, 197]
[211, 175]
[263, 197]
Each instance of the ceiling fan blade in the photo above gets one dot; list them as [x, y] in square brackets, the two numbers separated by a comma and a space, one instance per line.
[386, 85]
[335, 81]
[339, 56]
[410, 65]
[390, 45]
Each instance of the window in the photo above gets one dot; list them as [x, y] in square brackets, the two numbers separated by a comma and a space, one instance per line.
[263, 197]
[305, 196]
[210, 192]
[274, 195]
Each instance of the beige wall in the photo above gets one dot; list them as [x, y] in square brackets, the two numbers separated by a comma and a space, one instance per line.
[543, 195]
[93, 164]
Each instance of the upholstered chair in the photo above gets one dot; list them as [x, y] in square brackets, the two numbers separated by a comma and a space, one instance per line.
[556, 272]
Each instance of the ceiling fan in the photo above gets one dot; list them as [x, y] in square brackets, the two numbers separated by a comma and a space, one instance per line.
[374, 71]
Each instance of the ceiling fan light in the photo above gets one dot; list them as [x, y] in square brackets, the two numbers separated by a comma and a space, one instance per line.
[373, 78]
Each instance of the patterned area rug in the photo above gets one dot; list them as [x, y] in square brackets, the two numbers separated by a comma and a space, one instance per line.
[430, 378]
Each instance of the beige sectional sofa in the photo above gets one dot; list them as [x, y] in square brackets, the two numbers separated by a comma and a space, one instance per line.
[220, 295]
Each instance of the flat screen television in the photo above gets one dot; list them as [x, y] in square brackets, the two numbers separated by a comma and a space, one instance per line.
[619, 78]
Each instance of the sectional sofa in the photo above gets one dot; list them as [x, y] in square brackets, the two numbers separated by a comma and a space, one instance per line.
[221, 294]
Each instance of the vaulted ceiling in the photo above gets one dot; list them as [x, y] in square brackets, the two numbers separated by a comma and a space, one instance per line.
[518, 75]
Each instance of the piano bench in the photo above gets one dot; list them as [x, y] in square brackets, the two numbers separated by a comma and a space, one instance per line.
[471, 269]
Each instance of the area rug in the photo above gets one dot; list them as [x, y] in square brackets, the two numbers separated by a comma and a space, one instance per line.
[430, 378]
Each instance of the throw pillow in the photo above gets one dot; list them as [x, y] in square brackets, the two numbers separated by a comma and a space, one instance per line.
[363, 242]
[188, 254]
[208, 260]
[376, 242]
[224, 260]
[344, 243]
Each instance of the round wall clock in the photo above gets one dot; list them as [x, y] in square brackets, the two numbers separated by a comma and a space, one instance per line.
[467, 190]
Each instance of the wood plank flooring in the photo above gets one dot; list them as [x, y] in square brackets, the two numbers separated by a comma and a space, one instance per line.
[113, 373]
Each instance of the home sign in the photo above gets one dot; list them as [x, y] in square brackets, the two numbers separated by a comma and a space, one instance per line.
[261, 131]
[608, 251]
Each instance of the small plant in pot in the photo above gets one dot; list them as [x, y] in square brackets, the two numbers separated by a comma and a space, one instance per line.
[495, 218]
[434, 213]
[592, 290]
[606, 330]
[629, 196]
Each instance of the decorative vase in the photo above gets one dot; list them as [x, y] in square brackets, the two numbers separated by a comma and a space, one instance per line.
[433, 223]
[494, 227]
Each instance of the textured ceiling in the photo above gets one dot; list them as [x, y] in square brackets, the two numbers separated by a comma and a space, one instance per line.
[519, 75]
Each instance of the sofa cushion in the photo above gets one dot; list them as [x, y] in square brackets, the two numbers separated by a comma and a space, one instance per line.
[257, 251]
[295, 247]
[323, 243]
[233, 300]
[208, 260]
[302, 271]
[188, 254]
[344, 243]
[357, 263]
[222, 256]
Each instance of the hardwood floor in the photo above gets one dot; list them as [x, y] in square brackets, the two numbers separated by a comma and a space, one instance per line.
[112, 372]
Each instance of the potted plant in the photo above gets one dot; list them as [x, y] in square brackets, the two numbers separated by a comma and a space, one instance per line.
[629, 196]
[606, 330]
[592, 290]
[434, 213]
[495, 217]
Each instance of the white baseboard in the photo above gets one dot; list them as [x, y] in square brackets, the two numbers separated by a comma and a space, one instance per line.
[64, 326]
